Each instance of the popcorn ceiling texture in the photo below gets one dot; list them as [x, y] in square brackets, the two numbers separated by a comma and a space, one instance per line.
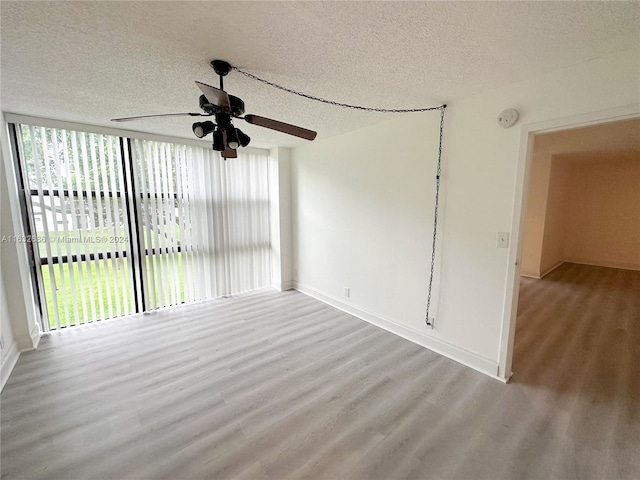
[92, 61]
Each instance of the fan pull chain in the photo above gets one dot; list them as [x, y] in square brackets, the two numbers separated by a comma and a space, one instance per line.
[430, 320]
[332, 102]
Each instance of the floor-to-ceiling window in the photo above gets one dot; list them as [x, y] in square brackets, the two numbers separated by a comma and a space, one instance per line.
[123, 225]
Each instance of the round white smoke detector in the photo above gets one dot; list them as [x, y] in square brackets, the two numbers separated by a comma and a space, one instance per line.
[508, 118]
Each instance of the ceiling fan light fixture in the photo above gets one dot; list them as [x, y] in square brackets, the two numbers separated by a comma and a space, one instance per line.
[202, 129]
[243, 138]
[232, 138]
[218, 140]
[217, 103]
[204, 103]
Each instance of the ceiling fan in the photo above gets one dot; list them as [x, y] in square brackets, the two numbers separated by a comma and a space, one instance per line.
[224, 108]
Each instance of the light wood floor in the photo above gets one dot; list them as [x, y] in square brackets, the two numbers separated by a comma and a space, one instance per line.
[278, 385]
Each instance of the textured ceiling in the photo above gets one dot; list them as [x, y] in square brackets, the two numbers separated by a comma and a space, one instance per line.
[89, 62]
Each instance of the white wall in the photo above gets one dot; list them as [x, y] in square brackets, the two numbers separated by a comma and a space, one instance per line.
[362, 208]
[280, 217]
[590, 210]
[603, 211]
[555, 228]
[8, 348]
[535, 213]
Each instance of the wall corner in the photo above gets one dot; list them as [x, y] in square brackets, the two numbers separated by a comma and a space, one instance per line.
[280, 217]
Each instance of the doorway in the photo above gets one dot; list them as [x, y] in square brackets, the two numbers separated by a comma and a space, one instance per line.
[537, 262]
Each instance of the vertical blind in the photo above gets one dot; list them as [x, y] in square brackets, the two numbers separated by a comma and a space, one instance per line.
[76, 198]
[205, 222]
[126, 225]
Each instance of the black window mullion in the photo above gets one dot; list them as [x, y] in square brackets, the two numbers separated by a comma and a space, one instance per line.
[83, 257]
[73, 193]
[133, 226]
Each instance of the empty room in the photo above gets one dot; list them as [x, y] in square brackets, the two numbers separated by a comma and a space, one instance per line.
[403, 243]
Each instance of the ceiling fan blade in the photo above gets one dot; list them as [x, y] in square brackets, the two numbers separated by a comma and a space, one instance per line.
[126, 119]
[214, 95]
[280, 127]
[229, 153]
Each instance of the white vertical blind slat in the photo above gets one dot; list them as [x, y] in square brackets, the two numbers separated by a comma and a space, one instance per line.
[71, 266]
[93, 266]
[214, 217]
[181, 193]
[54, 208]
[107, 238]
[223, 228]
[147, 242]
[158, 217]
[101, 267]
[236, 224]
[152, 214]
[198, 226]
[191, 219]
[96, 227]
[89, 306]
[209, 205]
[163, 231]
[171, 224]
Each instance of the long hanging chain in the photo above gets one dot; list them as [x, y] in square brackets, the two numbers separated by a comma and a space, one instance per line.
[429, 321]
[332, 102]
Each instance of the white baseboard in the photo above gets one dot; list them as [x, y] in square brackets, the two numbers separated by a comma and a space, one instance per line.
[457, 354]
[28, 343]
[549, 270]
[35, 336]
[624, 266]
[10, 359]
[527, 275]
[621, 265]
[282, 286]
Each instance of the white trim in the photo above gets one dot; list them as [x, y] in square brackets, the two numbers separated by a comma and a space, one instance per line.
[452, 352]
[584, 120]
[527, 131]
[526, 275]
[10, 359]
[282, 286]
[551, 269]
[543, 274]
[35, 334]
[25, 344]
[118, 132]
[621, 265]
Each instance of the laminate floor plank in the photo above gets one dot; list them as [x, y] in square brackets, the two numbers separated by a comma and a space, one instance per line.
[277, 385]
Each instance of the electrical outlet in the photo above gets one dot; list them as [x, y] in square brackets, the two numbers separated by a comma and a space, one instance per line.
[347, 292]
[502, 240]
